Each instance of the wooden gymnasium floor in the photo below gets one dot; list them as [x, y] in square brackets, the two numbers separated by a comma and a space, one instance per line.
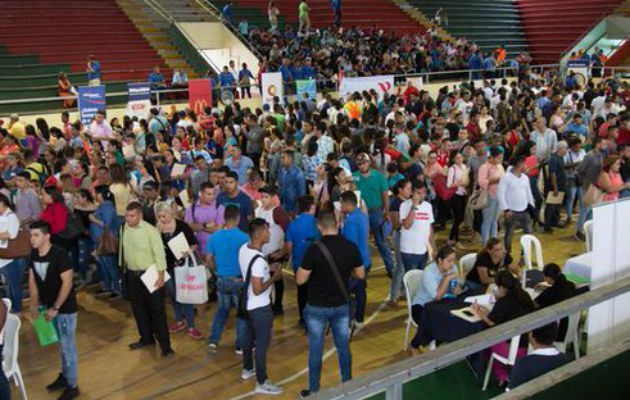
[109, 370]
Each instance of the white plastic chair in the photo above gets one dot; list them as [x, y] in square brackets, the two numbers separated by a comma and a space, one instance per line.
[510, 360]
[466, 264]
[572, 336]
[11, 347]
[411, 280]
[527, 241]
[588, 234]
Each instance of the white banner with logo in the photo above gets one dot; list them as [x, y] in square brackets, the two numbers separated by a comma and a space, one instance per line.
[380, 83]
[272, 86]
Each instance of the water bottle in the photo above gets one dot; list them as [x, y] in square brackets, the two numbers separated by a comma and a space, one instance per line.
[451, 286]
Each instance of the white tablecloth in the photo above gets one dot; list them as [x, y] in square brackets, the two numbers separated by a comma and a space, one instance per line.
[580, 265]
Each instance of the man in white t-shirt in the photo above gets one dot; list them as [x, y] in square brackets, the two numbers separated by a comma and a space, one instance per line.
[260, 314]
[416, 231]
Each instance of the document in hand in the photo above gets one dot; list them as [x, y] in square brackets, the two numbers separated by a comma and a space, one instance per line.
[486, 300]
[179, 245]
[150, 276]
[178, 170]
[466, 314]
[551, 199]
[183, 196]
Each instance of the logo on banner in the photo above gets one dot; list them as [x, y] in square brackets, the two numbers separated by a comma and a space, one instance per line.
[385, 86]
[139, 99]
[199, 95]
[91, 100]
[272, 86]
[380, 83]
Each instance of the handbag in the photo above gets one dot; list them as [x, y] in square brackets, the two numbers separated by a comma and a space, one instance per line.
[74, 228]
[592, 196]
[191, 285]
[19, 247]
[479, 199]
[107, 244]
[441, 189]
[241, 309]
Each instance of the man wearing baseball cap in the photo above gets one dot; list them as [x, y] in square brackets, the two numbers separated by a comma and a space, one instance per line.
[374, 191]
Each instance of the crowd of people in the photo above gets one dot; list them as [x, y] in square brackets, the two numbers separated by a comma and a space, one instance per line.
[251, 189]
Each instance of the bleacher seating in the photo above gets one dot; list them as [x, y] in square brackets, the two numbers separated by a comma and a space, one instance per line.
[489, 23]
[355, 13]
[552, 26]
[40, 38]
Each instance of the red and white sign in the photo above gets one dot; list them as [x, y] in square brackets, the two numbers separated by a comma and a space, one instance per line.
[199, 95]
[380, 83]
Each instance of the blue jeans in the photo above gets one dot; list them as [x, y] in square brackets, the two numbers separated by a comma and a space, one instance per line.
[189, 309]
[5, 391]
[399, 271]
[574, 191]
[258, 334]
[414, 261]
[109, 272]
[359, 288]
[227, 296]
[490, 216]
[317, 318]
[66, 325]
[13, 273]
[376, 222]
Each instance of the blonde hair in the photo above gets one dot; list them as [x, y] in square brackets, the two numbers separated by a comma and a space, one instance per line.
[164, 206]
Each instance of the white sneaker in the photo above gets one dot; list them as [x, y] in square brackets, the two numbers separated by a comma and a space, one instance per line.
[358, 325]
[213, 347]
[267, 388]
[247, 374]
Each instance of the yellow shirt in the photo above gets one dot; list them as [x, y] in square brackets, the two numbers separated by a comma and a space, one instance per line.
[143, 247]
[122, 194]
[17, 131]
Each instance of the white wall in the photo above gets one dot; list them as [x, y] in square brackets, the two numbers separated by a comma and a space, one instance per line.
[218, 44]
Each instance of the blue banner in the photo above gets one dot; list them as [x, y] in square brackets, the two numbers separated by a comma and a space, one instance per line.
[139, 99]
[306, 86]
[139, 91]
[91, 100]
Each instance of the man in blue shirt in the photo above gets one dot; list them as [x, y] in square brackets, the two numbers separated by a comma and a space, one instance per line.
[222, 256]
[291, 182]
[226, 12]
[308, 72]
[93, 71]
[244, 78]
[336, 6]
[356, 228]
[156, 79]
[285, 70]
[296, 71]
[490, 65]
[226, 80]
[577, 126]
[233, 195]
[301, 233]
[239, 163]
[474, 62]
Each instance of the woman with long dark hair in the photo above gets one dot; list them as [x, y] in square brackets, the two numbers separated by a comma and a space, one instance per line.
[55, 213]
[402, 191]
[512, 302]
[457, 178]
[558, 289]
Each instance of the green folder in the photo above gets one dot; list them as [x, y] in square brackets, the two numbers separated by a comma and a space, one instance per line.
[46, 332]
[577, 279]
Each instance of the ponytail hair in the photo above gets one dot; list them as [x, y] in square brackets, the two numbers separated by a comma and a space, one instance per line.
[505, 279]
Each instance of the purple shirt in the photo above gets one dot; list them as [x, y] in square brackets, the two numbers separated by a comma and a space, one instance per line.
[204, 214]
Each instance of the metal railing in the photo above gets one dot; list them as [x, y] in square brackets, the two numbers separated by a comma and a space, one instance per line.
[390, 379]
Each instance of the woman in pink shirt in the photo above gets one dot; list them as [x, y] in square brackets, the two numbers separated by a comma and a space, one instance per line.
[610, 179]
[489, 175]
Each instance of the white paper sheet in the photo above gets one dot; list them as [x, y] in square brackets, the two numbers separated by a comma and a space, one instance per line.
[150, 276]
[179, 245]
[485, 300]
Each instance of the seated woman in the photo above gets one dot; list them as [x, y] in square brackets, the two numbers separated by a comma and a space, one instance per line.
[435, 285]
[560, 290]
[512, 302]
[66, 90]
[488, 262]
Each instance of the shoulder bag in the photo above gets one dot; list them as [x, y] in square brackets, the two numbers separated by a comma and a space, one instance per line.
[241, 310]
[107, 243]
[333, 268]
[19, 247]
